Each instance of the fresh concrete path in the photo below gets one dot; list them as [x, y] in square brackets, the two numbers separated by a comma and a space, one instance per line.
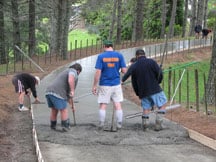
[84, 143]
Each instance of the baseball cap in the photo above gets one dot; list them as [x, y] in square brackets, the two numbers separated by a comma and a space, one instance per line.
[107, 42]
[38, 79]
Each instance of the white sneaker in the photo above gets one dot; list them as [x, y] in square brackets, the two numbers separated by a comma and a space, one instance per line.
[119, 125]
[101, 125]
[23, 108]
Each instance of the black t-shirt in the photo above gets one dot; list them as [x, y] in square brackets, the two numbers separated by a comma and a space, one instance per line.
[198, 28]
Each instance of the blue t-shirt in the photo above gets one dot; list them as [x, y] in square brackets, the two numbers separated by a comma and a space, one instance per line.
[110, 62]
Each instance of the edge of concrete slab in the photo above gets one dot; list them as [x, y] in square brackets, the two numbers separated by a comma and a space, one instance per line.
[209, 142]
[35, 139]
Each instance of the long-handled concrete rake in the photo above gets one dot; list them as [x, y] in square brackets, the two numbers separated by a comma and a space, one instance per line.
[73, 111]
[82, 96]
[155, 111]
[170, 107]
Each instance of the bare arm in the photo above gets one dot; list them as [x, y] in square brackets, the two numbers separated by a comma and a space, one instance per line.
[71, 81]
[96, 79]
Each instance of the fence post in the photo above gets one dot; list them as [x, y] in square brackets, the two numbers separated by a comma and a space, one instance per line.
[75, 49]
[197, 90]
[86, 47]
[174, 81]
[180, 87]
[169, 82]
[188, 90]
[205, 97]
[80, 49]
[71, 47]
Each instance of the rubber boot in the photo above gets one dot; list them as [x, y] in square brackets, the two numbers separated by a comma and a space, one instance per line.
[53, 125]
[158, 122]
[65, 125]
[145, 122]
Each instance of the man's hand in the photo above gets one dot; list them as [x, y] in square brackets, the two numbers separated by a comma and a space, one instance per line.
[94, 90]
[36, 102]
[71, 94]
[28, 93]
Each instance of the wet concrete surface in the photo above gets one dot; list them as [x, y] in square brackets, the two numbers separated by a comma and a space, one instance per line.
[85, 143]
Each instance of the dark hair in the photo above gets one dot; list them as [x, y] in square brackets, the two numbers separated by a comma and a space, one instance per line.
[140, 52]
[109, 45]
[76, 66]
[132, 60]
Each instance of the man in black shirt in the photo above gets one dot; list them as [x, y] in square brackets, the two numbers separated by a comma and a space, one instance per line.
[22, 82]
[146, 78]
[198, 30]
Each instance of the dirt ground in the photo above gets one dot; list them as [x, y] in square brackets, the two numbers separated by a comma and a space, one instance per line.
[16, 142]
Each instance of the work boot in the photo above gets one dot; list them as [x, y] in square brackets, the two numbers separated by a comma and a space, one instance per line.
[162, 111]
[53, 125]
[145, 121]
[65, 125]
[158, 123]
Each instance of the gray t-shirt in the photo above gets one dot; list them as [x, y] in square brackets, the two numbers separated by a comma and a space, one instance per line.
[60, 86]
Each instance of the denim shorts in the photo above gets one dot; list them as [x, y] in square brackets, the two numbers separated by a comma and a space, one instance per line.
[158, 99]
[55, 102]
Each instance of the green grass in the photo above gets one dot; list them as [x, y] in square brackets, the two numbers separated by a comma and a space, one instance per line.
[76, 39]
[202, 68]
[81, 38]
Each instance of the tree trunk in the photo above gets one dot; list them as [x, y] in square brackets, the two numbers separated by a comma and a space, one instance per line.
[139, 20]
[31, 27]
[118, 33]
[210, 87]
[133, 36]
[66, 21]
[193, 17]
[172, 20]
[205, 14]
[60, 12]
[2, 37]
[200, 10]
[185, 19]
[16, 30]
[53, 32]
[163, 18]
[113, 20]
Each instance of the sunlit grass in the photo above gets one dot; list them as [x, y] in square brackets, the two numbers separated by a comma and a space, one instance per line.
[202, 68]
